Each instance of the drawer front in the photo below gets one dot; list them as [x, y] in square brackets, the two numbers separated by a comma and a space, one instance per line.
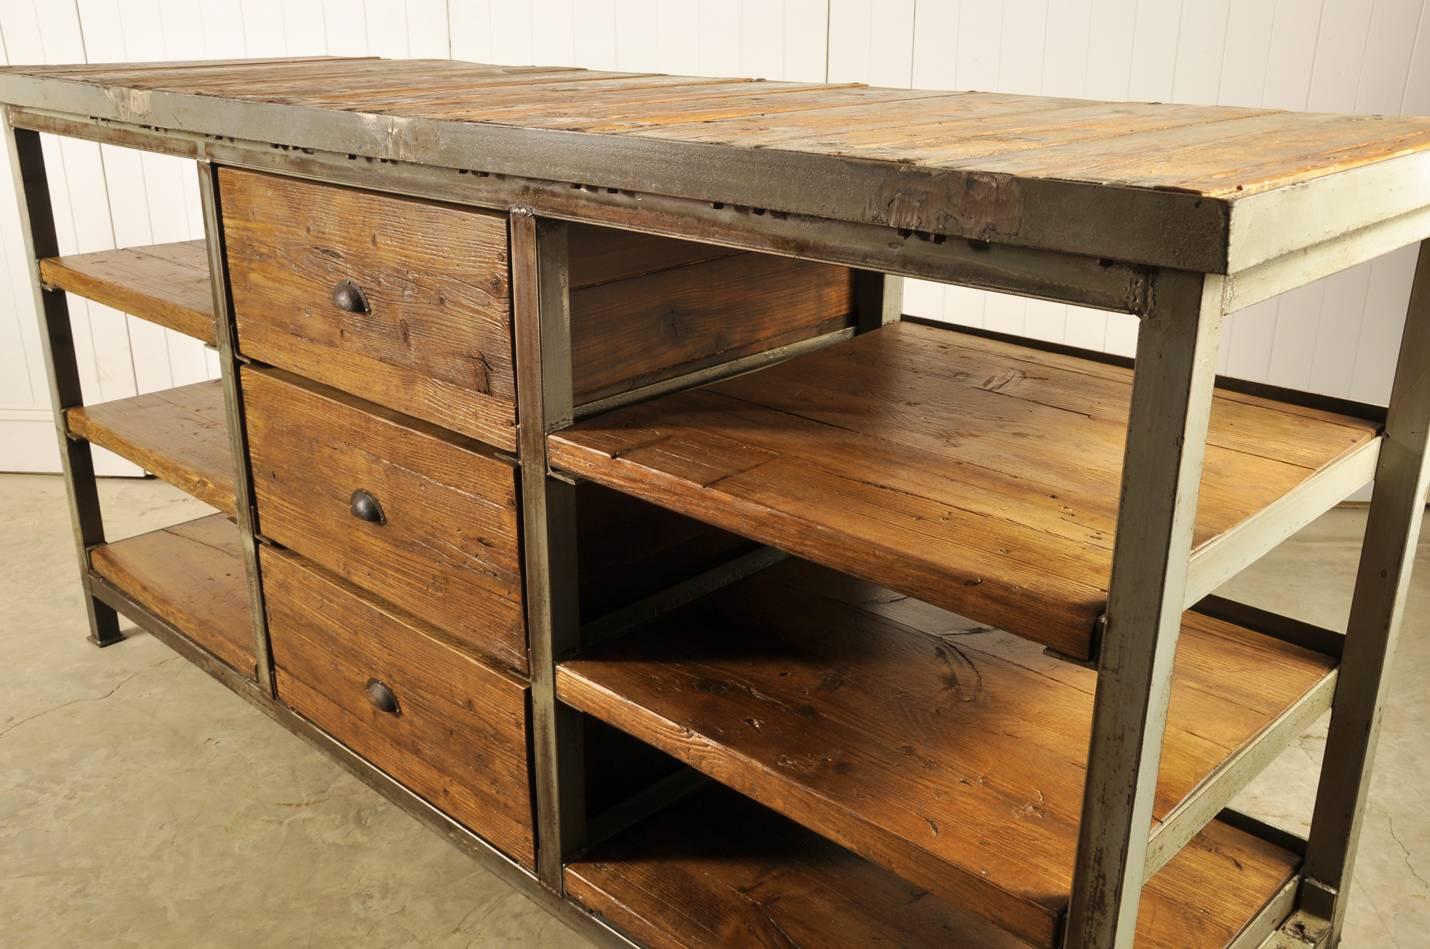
[435, 719]
[390, 505]
[403, 302]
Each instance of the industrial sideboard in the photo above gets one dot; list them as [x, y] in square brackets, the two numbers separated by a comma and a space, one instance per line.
[582, 489]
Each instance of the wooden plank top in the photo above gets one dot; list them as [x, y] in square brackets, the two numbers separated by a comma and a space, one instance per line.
[976, 474]
[972, 164]
[179, 434]
[949, 753]
[166, 284]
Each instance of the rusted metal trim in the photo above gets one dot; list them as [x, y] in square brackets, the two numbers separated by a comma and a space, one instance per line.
[1075, 278]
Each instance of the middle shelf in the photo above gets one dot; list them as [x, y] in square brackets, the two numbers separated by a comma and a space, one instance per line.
[181, 435]
[952, 754]
[976, 474]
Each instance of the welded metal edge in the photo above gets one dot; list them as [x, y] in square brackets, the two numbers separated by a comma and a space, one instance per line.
[1266, 922]
[1212, 794]
[245, 502]
[1141, 225]
[487, 856]
[1281, 221]
[1044, 274]
[1223, 557]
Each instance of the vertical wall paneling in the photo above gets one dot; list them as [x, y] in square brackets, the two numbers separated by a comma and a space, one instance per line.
[1337, 336]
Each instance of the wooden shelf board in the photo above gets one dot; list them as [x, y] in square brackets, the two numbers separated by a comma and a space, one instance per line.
[191, 576]
[179, 434]
[166, 284]
[716, 870]
[948, 753]
[969, 472]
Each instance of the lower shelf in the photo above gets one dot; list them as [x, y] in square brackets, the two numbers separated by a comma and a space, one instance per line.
[951, 754]
[191, 577]
[715, 869]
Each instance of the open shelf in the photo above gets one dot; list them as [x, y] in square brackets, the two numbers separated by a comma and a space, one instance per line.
[716, 869]
[180, 434]
[976, 474]
[948, 753]
[166, 284]
[190, 576]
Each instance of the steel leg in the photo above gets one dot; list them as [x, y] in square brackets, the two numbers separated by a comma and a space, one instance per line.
[37, 223]
[541, 298]
[1166, 440]
[246, 511]
[1387, 556]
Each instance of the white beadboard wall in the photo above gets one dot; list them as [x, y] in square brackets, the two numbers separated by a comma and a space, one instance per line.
[1337, 336]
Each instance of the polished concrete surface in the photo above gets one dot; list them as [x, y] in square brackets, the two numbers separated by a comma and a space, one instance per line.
[142, 804]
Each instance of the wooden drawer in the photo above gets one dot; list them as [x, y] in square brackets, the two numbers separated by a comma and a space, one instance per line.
[434, 340]
[442, 543]
[455, 731]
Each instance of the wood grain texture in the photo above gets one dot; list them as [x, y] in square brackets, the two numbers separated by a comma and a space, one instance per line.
[167, 284]
[447, 550]
[436, 343]
[716, 870]
[979, 475]
[191, 576]
[1209, 150]
[459, 736]
[180, 435]
[948, 753]
[647, 327]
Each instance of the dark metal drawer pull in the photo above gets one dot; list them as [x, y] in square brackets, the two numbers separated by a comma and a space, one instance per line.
[365, 507]
[348, 297]
[382, 697]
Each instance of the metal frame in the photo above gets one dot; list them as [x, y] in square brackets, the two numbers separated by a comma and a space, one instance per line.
[1166, 440]
[37, 219]
[1397, 508]
[1071, 245]
[541, 298]
[246, 505]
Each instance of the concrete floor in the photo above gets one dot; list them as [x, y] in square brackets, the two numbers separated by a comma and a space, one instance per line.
[141, 804]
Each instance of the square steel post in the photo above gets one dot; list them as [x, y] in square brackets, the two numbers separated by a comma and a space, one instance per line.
[541, 296]
[1377, 606]
[1161, 473]
[37, 223]
[246, 508]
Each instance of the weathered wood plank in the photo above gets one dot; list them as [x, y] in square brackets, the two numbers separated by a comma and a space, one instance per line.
[948, 753]
[434, 338]
[458, 734]
[979, 475]
[179, 434]
[443, 544]
[167, 284]
[191, 576]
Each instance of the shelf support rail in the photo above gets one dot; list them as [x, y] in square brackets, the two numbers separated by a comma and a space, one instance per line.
[1166, 441]
[245, 504]
[1392, 533]
[37, 224]
[541, 302]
